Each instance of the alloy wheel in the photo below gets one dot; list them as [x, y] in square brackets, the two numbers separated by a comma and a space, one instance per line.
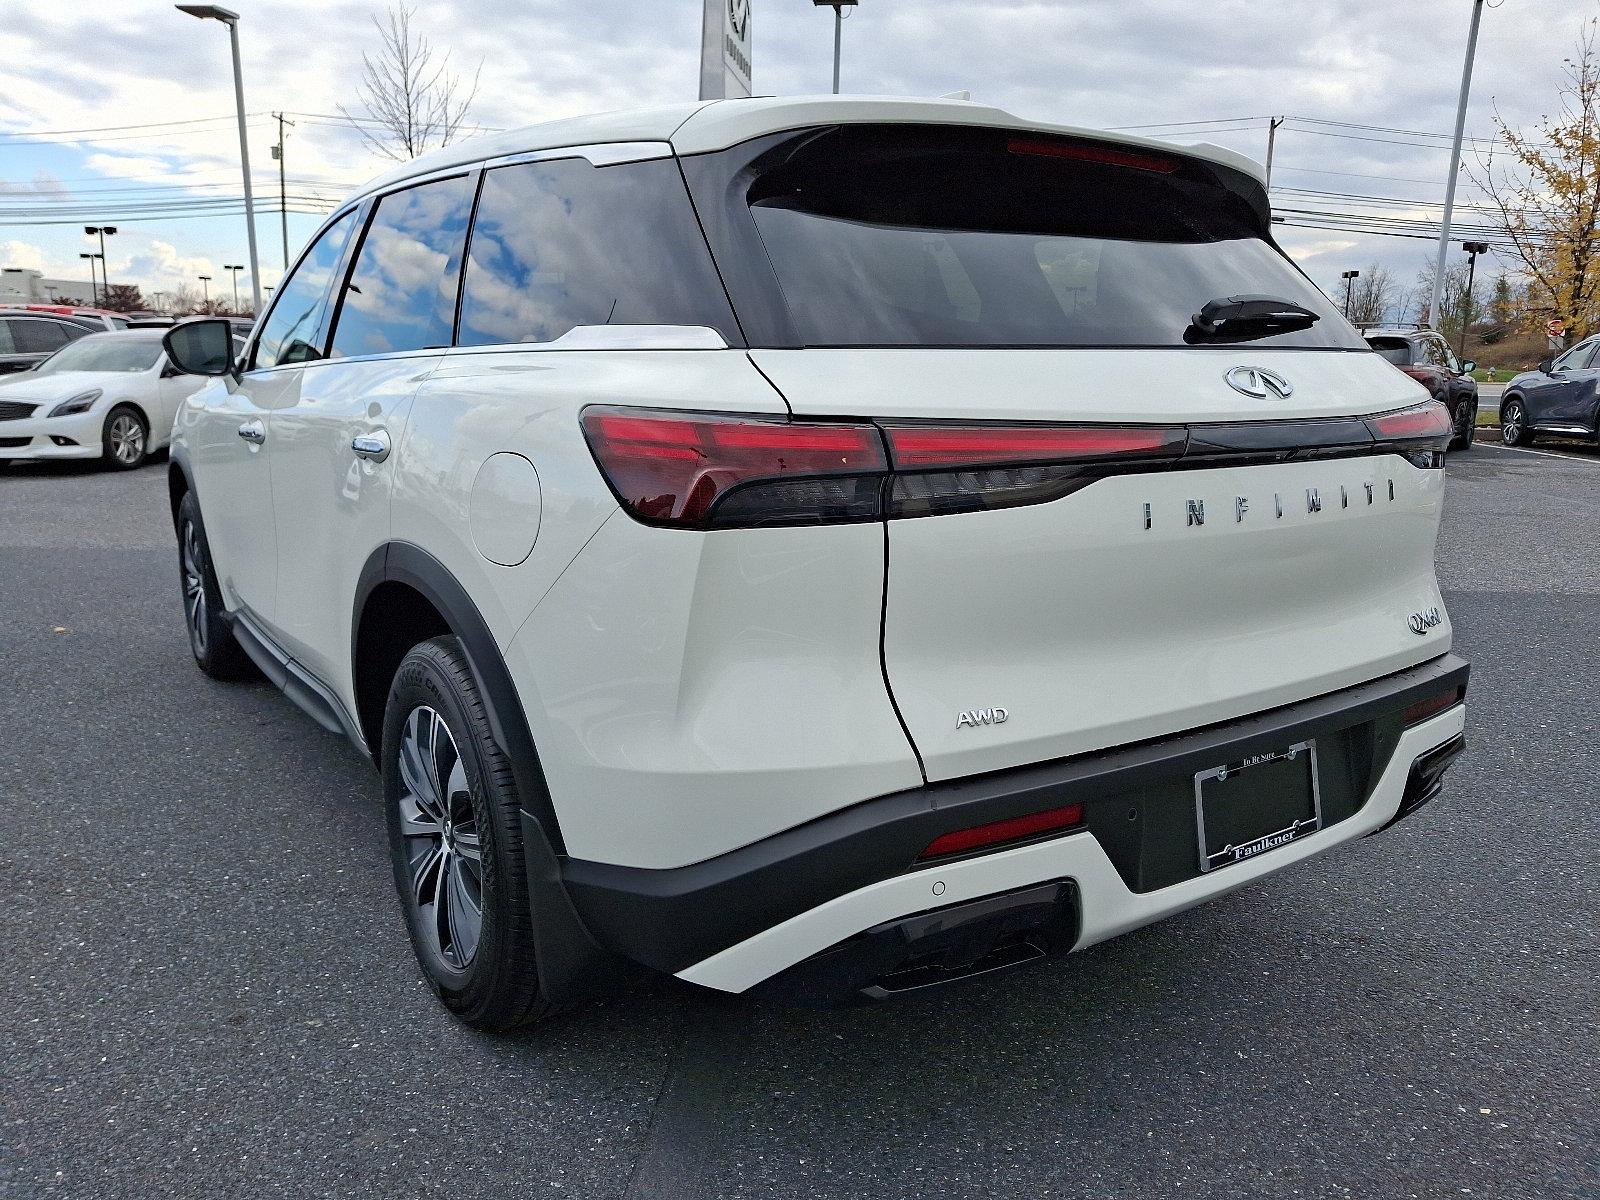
[194, 586]
[127, 438]
[443, 851]
[1511, 424]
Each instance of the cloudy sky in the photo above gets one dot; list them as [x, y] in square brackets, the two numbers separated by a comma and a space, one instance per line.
[125, 110]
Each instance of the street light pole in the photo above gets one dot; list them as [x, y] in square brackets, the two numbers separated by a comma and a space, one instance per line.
[101, 230]
[205, 292]
[1349, 278]
[1473, 249]
[94, 292]
[235, 269]
[230, 18]
[838, 7]
[1455, 166]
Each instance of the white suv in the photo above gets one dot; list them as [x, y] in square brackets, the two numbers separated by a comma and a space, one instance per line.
[823, 547]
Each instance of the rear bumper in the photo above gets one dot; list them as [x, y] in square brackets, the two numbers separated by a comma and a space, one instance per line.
[743, 917]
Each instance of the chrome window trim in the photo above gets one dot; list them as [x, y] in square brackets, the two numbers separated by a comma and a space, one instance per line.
[617, 337]
[598, 154]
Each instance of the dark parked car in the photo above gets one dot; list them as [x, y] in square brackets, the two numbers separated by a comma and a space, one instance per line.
[1427, 358]
[28, 338]
[1560, 397]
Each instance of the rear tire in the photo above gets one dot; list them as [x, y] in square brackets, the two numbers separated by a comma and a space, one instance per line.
[211, 639]
[455, 838]
[1466, 424]
[125, 439]
[1514, 424]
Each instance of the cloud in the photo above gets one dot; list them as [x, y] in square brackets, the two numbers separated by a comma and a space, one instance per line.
[43, 186]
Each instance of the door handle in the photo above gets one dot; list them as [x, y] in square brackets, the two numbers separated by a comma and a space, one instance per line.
[374, 446]
[253, 432]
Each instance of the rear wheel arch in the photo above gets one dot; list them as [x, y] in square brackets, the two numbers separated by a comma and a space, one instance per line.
[404, 590]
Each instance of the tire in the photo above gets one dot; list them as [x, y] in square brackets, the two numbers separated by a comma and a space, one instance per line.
[1465, 421]
[455, 839]
[124, 439]
[211, 639]
[1514, 424]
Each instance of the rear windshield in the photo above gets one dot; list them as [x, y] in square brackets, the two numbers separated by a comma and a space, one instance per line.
[1396, 350]
[918, 236]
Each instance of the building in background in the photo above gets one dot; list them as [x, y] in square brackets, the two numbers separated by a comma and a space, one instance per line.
[22, 285]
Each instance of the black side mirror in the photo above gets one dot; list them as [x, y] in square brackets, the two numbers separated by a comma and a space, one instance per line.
[201, 347]
[1544, 365]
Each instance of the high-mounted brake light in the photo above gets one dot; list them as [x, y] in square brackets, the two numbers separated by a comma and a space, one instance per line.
[701, 471]
[1050, 821]
[1093, 152]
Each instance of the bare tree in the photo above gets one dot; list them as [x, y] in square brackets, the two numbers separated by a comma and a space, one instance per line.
[1373, 295]
[413, 101]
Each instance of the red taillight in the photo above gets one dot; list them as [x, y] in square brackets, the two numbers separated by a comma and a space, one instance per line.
[1432, 706]
[700, 471]
[1425, 421]
[1051, 821]
[1093, 152]
[932, 447]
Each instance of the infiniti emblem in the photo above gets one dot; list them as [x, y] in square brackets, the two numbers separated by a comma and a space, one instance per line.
[1260, 383]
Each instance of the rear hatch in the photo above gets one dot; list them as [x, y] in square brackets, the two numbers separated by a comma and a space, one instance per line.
[1147, 477]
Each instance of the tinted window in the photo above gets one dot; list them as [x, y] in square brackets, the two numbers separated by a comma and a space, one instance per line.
[289, 334]
[1436, 352]
[1396, 349]
[402, 290]
[563, 243]
[38, 337]
[941, 237]
[7, 345]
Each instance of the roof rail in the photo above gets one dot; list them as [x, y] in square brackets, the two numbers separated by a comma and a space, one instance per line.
[1417, 325]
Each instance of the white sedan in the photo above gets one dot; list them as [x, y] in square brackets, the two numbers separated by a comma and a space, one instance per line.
[110, 396]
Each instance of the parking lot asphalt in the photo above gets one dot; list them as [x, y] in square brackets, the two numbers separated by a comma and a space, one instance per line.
[208, 990]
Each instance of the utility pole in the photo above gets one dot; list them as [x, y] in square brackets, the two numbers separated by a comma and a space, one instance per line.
[1349, 278]
[1455, 165]
[1473, 249]
[1272, 137]
[283, 202]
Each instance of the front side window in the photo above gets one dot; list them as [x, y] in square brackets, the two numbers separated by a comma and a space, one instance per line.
[402, 290]
[564, 243]
[922, 236]
[289, 334]
[1576, 358]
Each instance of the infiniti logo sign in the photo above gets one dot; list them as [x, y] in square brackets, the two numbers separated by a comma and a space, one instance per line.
[1260, 383]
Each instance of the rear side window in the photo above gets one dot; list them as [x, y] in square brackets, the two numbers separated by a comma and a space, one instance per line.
[7, 344]
[1395, 349]
[289, 334]
[927, 236]
[562, 243]
[38, 337]
[401, 294]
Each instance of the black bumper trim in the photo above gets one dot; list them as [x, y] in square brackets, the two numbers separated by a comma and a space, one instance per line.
[671, 919]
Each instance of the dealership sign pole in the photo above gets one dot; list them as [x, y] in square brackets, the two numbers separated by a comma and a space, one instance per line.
[725, 50]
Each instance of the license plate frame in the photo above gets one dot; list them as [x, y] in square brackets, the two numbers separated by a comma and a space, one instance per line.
[1286, 763]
